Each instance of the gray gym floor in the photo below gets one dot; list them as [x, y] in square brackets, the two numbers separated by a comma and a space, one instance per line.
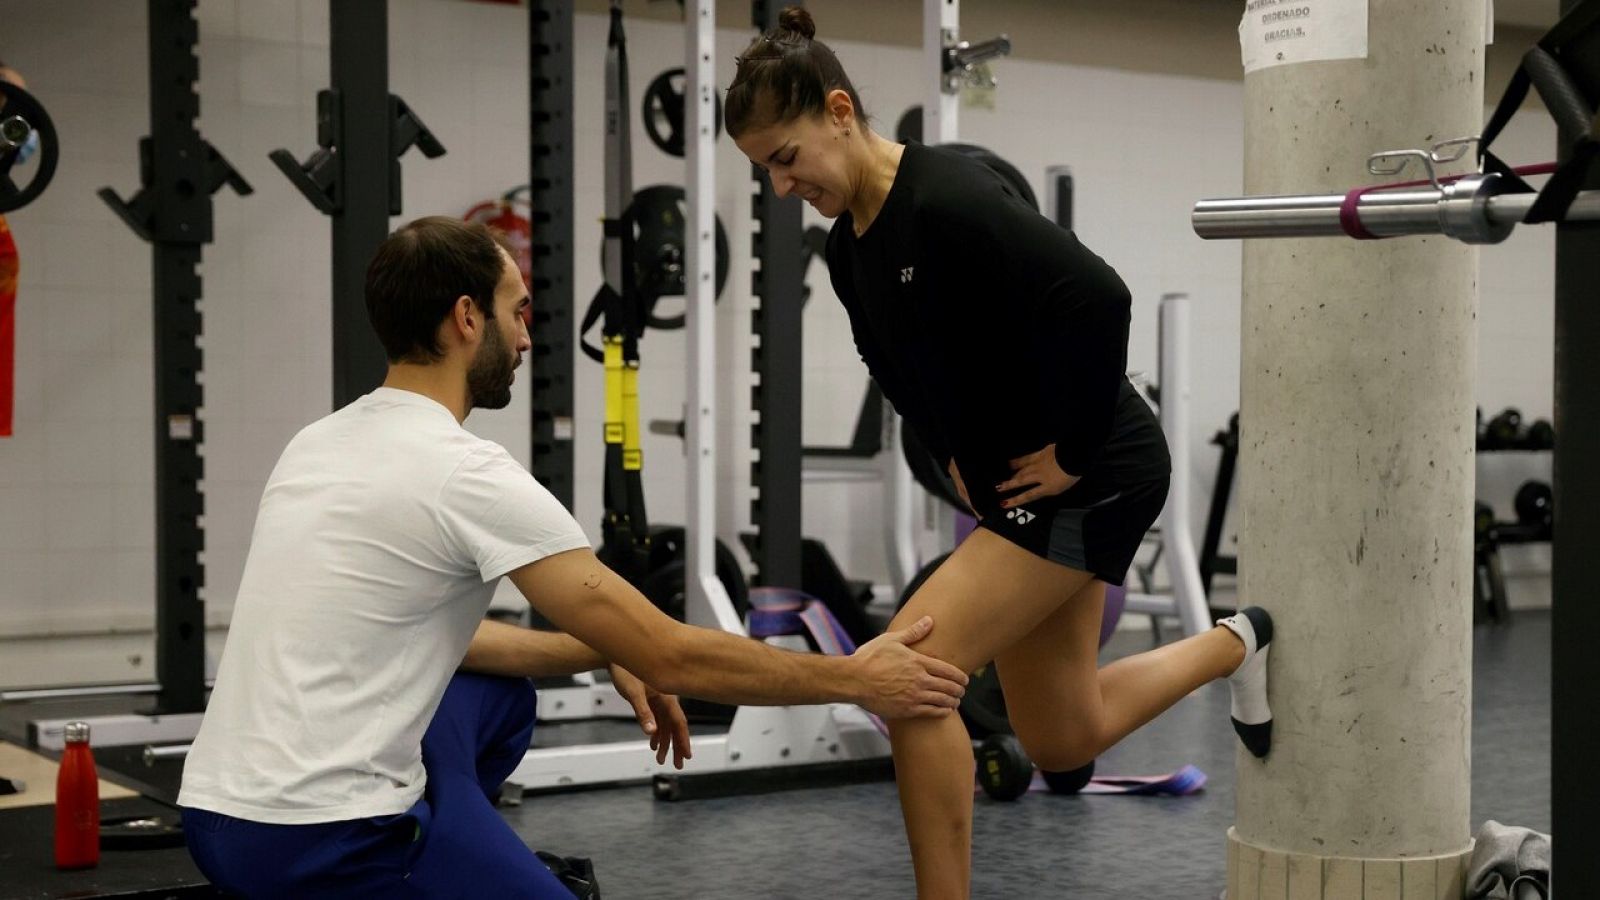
[848, 841]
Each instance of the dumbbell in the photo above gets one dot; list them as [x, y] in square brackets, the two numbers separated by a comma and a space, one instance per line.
[1504, 430]
[1535, 505]
[1541, 435]
[1005, 771]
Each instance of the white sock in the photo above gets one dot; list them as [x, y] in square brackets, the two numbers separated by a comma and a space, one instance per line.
[1252, 717]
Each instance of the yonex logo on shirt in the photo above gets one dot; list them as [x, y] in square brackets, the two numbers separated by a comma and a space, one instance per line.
[905, 274]
[1021, 516]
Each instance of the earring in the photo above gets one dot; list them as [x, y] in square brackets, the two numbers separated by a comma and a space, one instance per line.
[847, 132]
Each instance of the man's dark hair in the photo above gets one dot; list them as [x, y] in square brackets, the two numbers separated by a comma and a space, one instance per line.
[416, 276]
[783, 75]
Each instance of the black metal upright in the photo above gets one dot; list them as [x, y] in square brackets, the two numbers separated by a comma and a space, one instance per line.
[776, 287]
[358, 44]
[354, 177]
[178, 172]
[1574, 567]
[177, 158]
[550, 118]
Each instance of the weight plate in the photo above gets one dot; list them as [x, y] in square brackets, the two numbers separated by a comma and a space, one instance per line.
[22, 106]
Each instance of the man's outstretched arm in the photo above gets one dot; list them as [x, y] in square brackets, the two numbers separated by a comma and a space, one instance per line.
[586, 599]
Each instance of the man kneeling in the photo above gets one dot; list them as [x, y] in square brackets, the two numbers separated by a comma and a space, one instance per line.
[342, 752]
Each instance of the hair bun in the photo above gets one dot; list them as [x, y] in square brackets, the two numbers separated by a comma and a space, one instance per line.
[797, 20]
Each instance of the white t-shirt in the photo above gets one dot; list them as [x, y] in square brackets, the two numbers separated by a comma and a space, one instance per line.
[381, 534]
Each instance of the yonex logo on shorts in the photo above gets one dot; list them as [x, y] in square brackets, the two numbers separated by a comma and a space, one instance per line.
[905, 274]
[1021, 516]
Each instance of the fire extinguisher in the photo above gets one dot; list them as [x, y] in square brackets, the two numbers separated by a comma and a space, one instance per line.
[503, 215]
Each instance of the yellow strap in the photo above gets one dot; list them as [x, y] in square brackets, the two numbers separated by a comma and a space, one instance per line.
[632, 455]
[615, 391]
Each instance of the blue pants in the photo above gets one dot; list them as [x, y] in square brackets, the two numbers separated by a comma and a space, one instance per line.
[451, 843]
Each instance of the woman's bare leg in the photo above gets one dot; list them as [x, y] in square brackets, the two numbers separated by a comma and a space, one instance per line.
[986, 597]
[1066, 711]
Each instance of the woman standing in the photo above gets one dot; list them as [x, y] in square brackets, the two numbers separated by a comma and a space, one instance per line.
[1003, 341]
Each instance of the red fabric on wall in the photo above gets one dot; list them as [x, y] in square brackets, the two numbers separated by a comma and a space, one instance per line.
[9, 266]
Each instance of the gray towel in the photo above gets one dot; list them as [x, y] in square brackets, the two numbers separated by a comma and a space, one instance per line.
[1509, 864]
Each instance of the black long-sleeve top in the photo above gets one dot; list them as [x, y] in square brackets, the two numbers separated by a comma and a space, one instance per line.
[993, 330]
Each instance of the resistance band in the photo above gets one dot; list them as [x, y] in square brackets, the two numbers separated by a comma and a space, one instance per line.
[1187, 780]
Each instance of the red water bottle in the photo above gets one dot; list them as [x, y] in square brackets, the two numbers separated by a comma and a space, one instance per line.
[77, 803]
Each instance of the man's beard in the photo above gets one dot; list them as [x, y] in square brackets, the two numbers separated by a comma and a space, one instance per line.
[489, 377]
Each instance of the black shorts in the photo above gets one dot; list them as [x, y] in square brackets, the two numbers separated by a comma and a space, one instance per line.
[1094, 527]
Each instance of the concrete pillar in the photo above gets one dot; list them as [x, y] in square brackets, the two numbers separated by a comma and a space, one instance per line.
[1356, 485]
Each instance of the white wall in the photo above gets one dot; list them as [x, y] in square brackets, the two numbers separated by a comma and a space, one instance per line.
[75, 479]
[76, 487]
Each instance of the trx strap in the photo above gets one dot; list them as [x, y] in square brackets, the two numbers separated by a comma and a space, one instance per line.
[625, 529]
